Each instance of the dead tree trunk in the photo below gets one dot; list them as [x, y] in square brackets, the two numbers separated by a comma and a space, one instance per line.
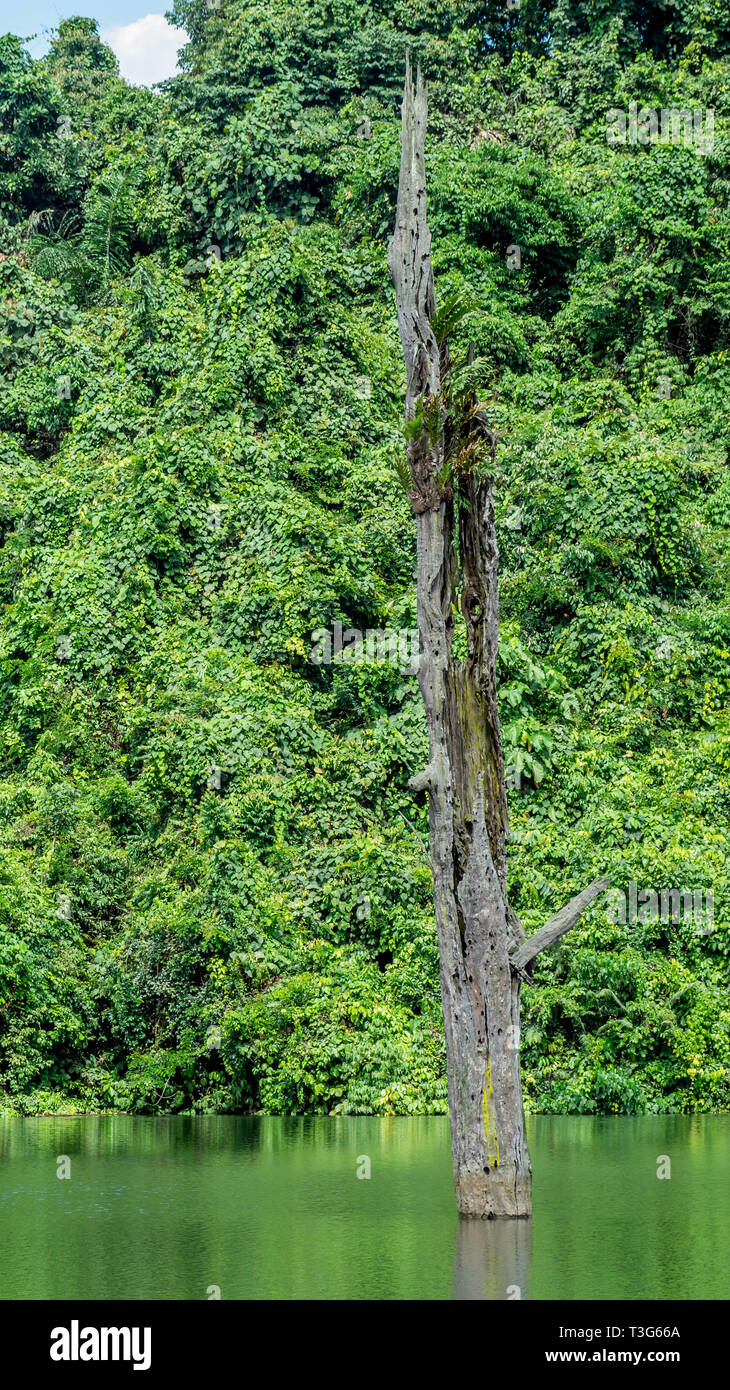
[482, 948]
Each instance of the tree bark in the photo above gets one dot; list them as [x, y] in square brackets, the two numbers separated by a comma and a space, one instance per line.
[480, 938]
[465, 775]
[558, 925]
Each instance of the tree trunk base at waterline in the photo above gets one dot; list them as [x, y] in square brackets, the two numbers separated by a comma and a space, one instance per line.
[486, 1196]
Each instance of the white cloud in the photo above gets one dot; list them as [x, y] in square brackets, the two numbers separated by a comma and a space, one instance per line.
[146, 48]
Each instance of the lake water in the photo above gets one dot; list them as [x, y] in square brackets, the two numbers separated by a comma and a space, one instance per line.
[175, 1208]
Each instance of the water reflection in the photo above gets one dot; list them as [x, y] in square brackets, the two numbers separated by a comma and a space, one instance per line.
[492, 1260]
[272, 1208]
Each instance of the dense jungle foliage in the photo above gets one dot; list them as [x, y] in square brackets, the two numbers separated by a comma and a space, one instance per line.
[213, 888]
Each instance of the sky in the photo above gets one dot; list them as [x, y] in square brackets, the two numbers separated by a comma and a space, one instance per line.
[136, 30]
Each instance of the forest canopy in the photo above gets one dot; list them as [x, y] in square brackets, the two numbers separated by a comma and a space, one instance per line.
[214, 882]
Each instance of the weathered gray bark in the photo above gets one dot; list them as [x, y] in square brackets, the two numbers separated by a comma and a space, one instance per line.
[480, 938]
[558, 925]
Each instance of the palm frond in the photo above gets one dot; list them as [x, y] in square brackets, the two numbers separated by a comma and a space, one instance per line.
[453, 310]
[109, 221]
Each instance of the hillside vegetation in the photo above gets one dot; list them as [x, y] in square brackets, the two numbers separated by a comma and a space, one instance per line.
[214, 890]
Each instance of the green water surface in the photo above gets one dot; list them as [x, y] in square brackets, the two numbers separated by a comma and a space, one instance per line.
[179, 1207]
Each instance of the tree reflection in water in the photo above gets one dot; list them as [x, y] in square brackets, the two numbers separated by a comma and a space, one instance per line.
[492, 1260]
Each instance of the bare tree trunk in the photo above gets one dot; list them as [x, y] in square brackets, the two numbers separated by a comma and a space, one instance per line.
[457, 570]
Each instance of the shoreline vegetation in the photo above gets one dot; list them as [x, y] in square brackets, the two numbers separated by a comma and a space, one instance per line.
[215, 892]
